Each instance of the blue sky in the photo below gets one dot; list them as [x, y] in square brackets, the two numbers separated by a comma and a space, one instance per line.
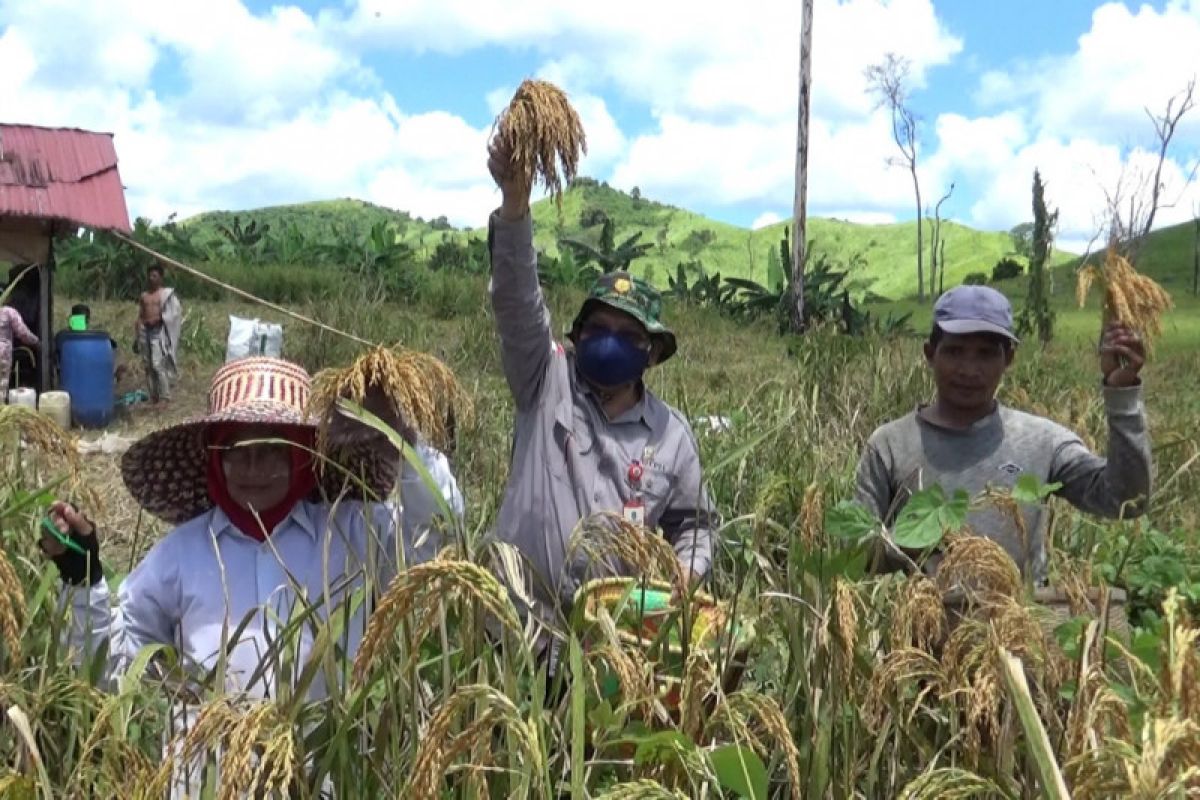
[237, 103]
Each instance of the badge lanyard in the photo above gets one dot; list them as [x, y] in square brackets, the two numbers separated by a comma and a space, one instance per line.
[634, 509]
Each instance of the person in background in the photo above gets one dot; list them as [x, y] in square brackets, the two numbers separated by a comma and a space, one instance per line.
[160, 317]
[590, 436]
[967, 440]
[11, 326]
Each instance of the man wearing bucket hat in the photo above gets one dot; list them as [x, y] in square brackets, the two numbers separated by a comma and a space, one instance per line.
[590, 437]
[966, 440]
[257, 536]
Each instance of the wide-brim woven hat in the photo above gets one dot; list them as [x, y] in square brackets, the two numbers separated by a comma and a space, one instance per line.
[166, 471]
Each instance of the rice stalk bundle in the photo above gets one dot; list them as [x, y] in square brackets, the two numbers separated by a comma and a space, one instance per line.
[419, 591]
[543, 135]
[1130, 298]
[257, 747]
[488, 709]
[413, 391]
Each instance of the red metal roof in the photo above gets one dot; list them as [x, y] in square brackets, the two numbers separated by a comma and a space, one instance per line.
[61, 174]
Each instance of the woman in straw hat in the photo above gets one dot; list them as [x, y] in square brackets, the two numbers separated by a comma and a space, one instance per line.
[256, 536]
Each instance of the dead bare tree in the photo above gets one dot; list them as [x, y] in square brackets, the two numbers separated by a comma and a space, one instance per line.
[1164, 129]
[1134, 202]
[936, 260]
[888, 82]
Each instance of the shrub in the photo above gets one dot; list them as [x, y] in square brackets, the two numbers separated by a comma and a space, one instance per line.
[1007, 268]
[975, 279]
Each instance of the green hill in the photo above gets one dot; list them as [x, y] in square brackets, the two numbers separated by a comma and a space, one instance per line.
[1168, 255]
[326, 220]
[880, 257]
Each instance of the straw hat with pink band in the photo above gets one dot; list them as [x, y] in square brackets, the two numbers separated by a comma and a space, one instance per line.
[166, 471]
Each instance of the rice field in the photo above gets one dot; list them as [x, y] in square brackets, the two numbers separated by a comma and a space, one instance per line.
[851, 685]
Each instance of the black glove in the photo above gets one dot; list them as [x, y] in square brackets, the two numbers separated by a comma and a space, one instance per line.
[79, 569]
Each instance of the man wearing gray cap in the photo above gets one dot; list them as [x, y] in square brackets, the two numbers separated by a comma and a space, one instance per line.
[966, 440]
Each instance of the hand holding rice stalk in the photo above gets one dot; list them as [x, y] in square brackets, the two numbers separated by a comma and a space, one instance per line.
[1130, 298]
[542, 137]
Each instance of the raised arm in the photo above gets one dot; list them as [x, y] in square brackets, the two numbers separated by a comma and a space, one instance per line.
[522, 320]
[1118, 485]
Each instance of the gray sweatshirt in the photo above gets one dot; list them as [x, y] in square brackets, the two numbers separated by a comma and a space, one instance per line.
[911, 453]
[569, 459]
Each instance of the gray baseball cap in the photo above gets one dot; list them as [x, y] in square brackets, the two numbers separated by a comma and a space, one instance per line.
[974, 309]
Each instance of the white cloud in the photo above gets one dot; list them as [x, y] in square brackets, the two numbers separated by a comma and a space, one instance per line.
[764, 219]
[676, 56]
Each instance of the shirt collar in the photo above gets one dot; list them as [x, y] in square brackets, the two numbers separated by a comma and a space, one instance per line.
[300, 516]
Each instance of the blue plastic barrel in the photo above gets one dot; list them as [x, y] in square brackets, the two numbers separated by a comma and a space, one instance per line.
[86, 373]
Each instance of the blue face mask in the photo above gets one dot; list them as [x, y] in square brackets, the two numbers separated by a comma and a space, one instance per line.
[609, 359]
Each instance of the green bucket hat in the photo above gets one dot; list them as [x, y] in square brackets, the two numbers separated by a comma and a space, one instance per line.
[635, 297]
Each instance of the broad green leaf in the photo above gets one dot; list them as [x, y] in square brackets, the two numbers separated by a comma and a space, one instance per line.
[850, 519]
[1069, 636]
[1028, 489]
[928, 516]
[740, 770]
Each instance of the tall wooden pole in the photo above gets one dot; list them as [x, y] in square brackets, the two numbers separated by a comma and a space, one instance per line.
[799, 214]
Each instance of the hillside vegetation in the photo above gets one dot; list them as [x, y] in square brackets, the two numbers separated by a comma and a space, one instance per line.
[879, 257]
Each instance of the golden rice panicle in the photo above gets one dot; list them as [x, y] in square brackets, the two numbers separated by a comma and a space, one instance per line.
[12, 608]
[919, 616]
[812, 517]
[978, 565]
[487, 708]
[901, 670]
[1130, 297]
[420, 590]
[543, 134]
[949, 783]
[845, 613]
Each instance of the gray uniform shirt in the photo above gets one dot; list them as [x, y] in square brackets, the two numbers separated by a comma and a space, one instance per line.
[569, 459]
[911, 453]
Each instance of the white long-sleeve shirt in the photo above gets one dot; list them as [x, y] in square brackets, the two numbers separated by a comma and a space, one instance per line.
[206, 580]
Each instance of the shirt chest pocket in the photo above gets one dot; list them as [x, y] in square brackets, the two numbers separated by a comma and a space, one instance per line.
[657, 488]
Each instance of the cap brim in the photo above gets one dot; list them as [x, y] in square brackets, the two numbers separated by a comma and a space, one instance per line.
[960, 327]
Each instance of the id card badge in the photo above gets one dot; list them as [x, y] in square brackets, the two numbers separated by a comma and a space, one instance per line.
[634, 512]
